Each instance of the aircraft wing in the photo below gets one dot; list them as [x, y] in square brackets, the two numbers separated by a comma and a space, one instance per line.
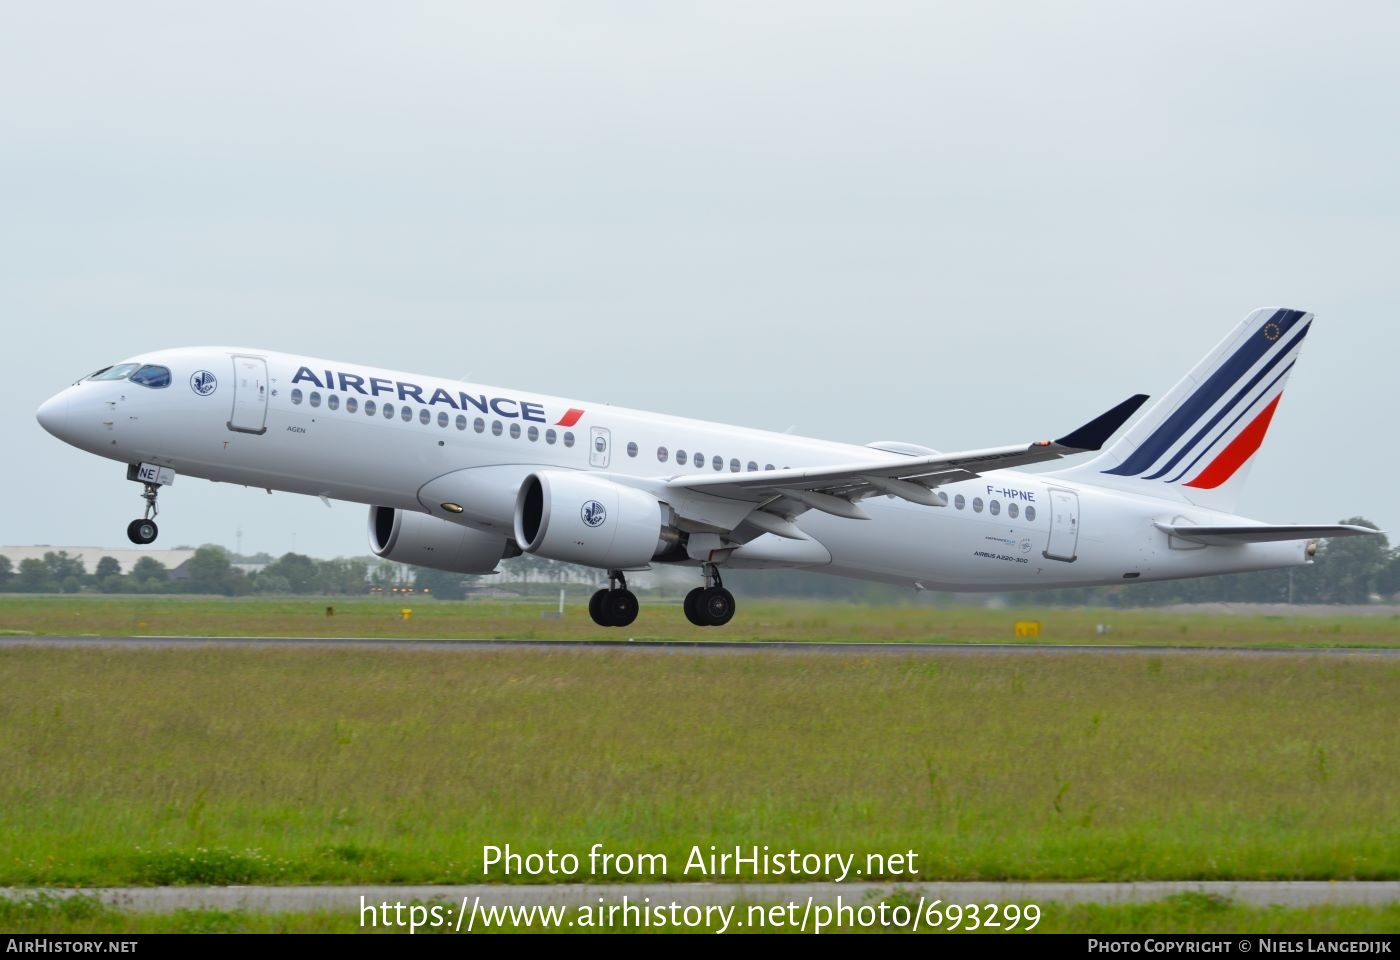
[834, 489]
[1260, 533]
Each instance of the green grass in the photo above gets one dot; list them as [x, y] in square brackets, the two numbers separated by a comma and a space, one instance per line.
[227, 765]
[97, 615]
[1186, 913]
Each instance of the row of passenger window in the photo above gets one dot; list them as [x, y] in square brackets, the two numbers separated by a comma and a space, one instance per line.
[716, 463]
[994, 507]
[425, 417]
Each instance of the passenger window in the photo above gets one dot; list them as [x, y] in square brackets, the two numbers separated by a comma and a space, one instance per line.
[495, 428]
[959, 501]
[976, 504]
[442, 419]
[568, 438]
[717, 462]
[699, 461]
[533, 433]
[994, 507]
[661, 454]
[406, 413]
[479, 425]
[296, 395]
[515, 431]
[461, 422]
[752, 466]
[369, 408]
[152, 376]
[733, 466]
[1030, 514]
[315, 398]
[941, 497]
[681, 457]
[388, 411]
[550, 436]
[631, 449]
[1012, 510]
[769, 466]
[351, 404]
[333, 402]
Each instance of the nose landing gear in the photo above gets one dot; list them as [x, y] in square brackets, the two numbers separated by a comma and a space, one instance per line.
[144, 531]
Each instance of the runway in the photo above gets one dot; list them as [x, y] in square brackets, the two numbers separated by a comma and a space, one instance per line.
[835, 648]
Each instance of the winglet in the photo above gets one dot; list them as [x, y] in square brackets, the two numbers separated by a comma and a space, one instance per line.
[1096, 432]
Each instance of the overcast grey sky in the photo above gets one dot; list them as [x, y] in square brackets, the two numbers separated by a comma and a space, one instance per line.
[959, 225]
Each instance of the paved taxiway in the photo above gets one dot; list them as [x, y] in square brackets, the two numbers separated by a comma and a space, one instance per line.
[1291, 893]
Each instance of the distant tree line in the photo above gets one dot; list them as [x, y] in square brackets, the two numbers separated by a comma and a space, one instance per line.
[210, 570]
[1345, 570]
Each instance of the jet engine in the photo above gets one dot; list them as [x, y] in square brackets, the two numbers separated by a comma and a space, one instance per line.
[584, 518]
[407, 537]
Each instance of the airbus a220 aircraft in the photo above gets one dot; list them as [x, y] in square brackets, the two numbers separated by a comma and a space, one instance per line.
[459, 476]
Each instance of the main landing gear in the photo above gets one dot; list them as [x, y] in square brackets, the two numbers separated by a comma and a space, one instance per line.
[707, 606]
[616, 606]
[710, 605]
[144, 531]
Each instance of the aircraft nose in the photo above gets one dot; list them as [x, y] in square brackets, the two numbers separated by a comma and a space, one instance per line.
[53, 414]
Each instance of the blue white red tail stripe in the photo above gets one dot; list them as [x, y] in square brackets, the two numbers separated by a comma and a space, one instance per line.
[1233, 423]
[1244, 391]
[1268, 340]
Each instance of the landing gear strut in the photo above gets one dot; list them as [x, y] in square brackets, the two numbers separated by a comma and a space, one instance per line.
[144, 531]
[710, 605]
[615, 606]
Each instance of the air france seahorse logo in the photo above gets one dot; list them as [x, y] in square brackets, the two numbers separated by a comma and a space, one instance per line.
[203, 382]
[593, 513]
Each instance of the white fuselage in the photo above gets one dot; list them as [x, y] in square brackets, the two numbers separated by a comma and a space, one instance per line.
[304, 425]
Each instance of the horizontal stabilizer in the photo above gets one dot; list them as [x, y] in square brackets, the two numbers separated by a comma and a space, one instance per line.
[1260, 533]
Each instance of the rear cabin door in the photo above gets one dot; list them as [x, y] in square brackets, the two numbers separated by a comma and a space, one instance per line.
[249, 395]
[1064, 525]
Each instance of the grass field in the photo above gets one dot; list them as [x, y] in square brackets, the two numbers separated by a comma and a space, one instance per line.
[226, 765]
[756, 620]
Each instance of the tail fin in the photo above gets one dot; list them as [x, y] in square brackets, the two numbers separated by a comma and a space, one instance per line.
[1197, 442]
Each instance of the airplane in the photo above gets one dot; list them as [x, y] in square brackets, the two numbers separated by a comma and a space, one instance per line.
[459, 476]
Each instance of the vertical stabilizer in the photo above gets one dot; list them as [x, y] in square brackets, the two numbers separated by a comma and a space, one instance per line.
[1196, 443]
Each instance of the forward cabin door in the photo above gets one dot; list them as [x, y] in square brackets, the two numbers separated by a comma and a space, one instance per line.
[599, 447]
[249, 395]
[1064, 525]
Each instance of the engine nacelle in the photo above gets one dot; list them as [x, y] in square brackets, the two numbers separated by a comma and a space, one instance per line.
[583, 518]
[407, 537]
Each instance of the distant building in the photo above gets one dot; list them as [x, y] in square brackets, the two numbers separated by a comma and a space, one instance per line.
[126, 557]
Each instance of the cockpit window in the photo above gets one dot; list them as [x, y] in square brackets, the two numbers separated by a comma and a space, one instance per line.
[120, 372]
[152, 376]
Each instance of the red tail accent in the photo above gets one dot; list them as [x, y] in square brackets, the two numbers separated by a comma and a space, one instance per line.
[569, 418]
[1241, 448]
